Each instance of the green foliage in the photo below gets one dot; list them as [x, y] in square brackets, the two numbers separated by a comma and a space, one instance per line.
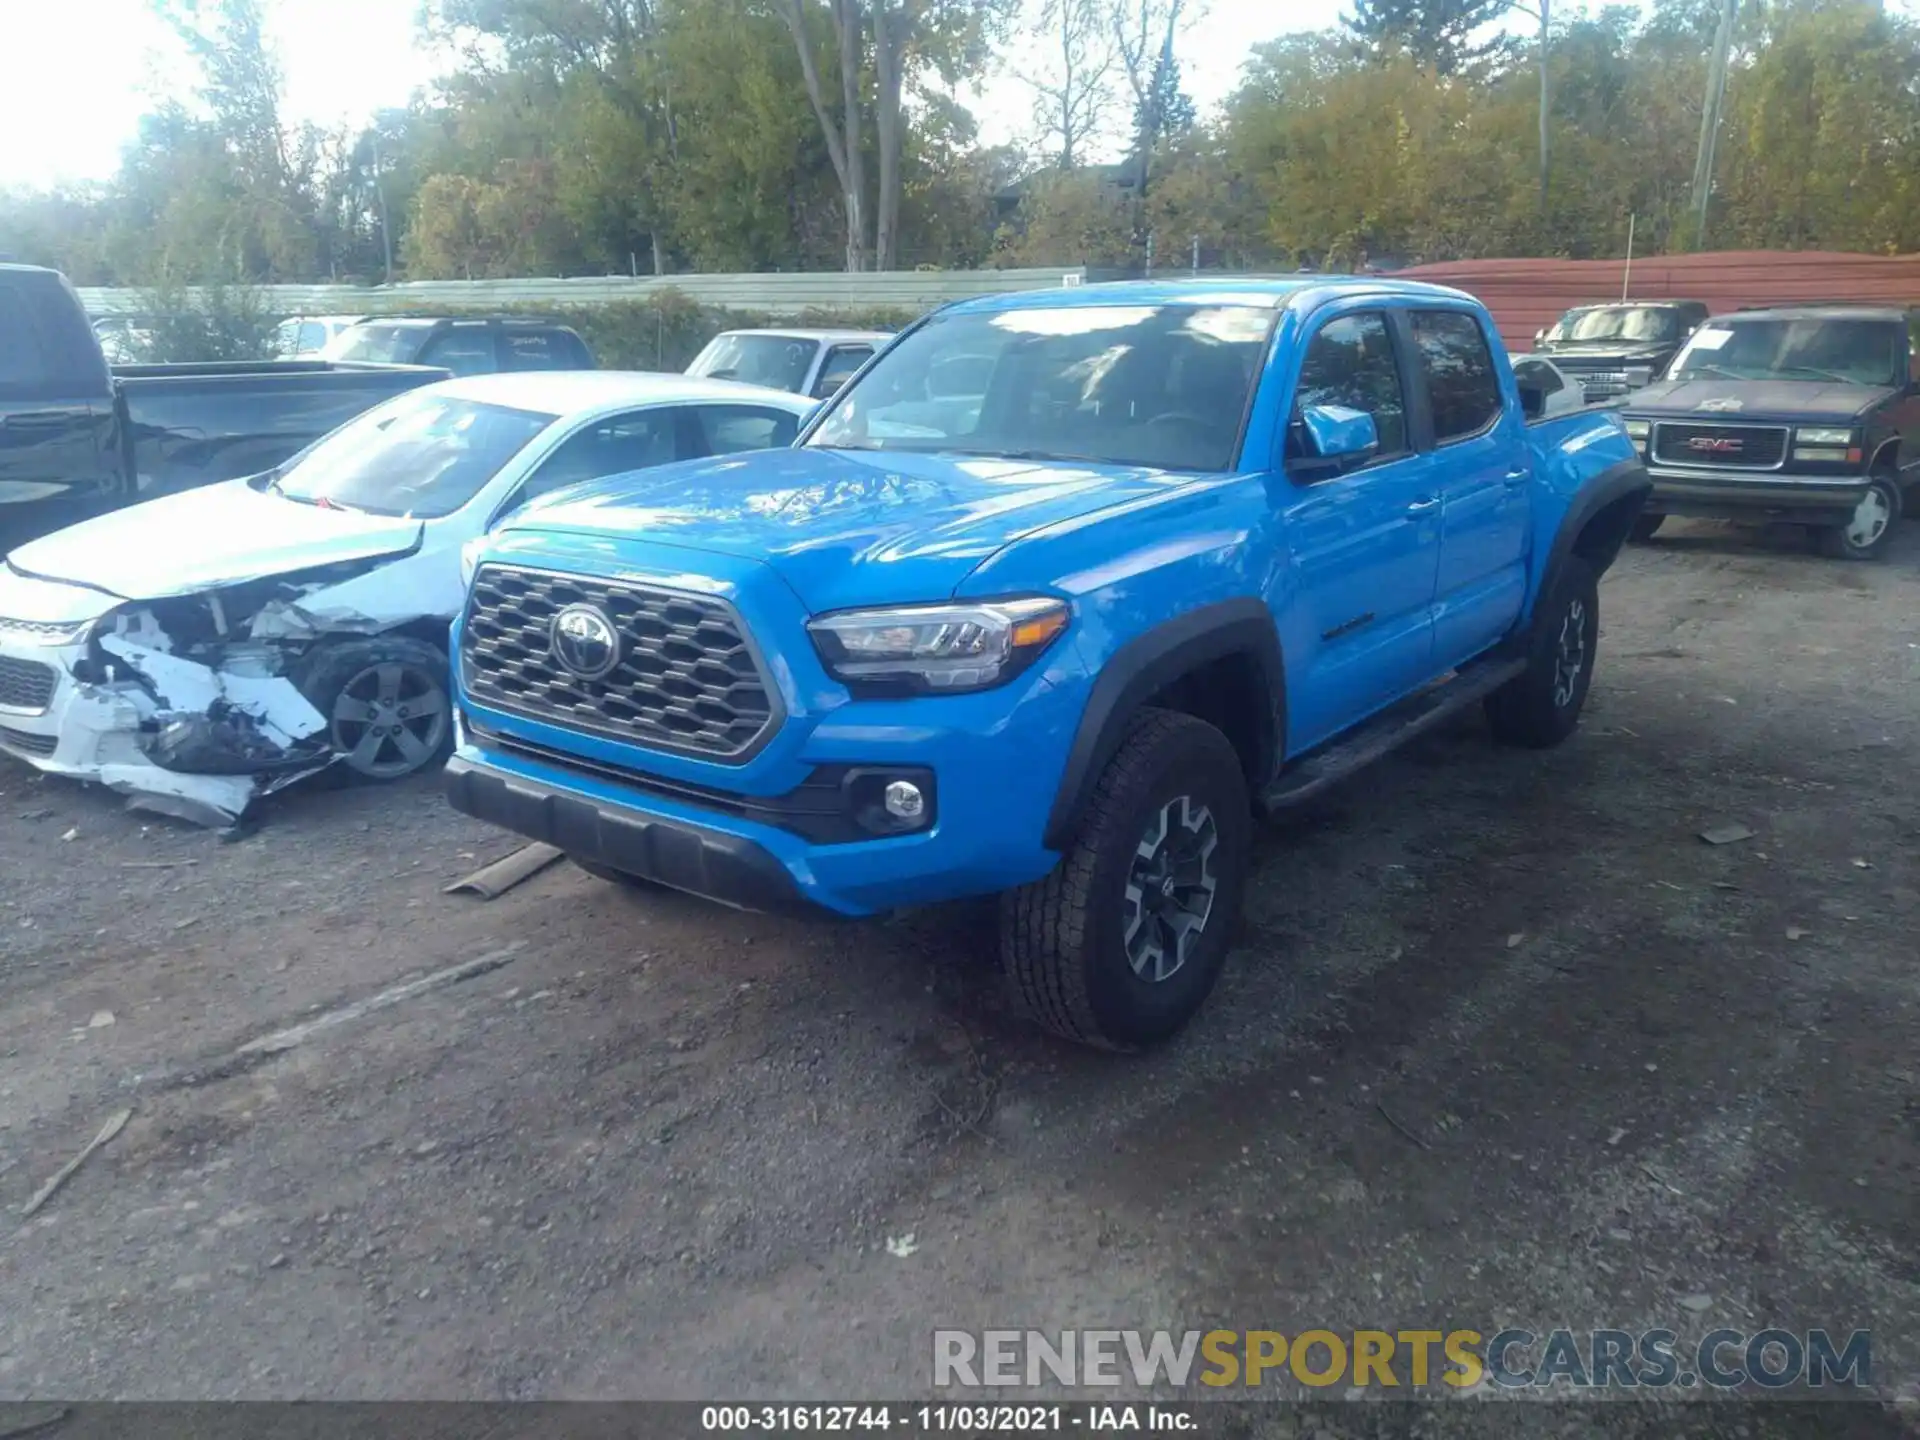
[596, 136]
[215, 322]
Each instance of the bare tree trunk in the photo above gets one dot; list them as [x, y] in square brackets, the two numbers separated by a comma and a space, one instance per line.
[1546, 141]
[888, 43]
[843, 137]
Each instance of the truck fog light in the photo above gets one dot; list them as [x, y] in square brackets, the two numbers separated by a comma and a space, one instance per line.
[904, 800]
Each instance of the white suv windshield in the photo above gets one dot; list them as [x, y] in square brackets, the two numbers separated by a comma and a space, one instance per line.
[779, 362]
[420, 456]
[1165, 386]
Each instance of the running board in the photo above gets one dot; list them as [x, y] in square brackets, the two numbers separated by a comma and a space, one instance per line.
[1388, 731]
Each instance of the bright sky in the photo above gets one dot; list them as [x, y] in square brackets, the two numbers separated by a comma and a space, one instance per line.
[78, 74]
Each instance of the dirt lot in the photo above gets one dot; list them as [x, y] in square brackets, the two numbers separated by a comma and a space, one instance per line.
[658, 1151]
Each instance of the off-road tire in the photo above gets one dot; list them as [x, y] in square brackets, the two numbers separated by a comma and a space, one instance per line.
[1837, 542]
[330, 667]
[1645, 527]
[1536, 708]
[1062, 939]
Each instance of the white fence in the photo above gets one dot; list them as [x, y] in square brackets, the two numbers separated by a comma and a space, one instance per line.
[785, 294]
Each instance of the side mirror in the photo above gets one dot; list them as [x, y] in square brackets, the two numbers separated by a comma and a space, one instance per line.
[1639, 375]
[1533, 401]
[825, 388]
[1539, 337]
[1334, 438]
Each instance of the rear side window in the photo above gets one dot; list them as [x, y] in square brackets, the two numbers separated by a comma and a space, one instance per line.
[543, 350]
[727, 429]
[23, 359]
[1350, 363]
[1462, 386]
[841, 362]
[464, 351]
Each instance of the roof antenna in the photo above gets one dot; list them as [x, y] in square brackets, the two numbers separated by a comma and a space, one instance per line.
[1627, 274]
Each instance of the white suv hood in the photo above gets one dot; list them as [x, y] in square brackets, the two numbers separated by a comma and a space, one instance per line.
[206, 538]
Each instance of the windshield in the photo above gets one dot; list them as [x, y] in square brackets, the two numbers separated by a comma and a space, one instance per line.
[375, 344]
[1618, 322]
[780, 362]
[419, 456]
[1164, 386]
[1856, 352]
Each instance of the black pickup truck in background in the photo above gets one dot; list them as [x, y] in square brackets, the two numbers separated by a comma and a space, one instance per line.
[1611, 350]
[1808, 415]
[78, 436]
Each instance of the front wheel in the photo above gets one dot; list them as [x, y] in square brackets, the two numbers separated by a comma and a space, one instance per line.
[1867, 531]
[385, 702]
[1121, 944]
[1541, 706]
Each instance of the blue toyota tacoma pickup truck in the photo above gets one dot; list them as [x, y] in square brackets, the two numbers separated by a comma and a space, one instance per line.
[1050, 601]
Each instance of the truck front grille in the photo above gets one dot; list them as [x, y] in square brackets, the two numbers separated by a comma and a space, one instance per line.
[25, 684]
[686, 678]
[1732, 447]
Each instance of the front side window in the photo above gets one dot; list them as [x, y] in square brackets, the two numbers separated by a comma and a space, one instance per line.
[1463, 388]
[779, 362]
[465, 350]
[1165, 386]
[1350, 363]
[420, 456]
[1858, 352]
[841, 362]
[375, 344]
[729, 429]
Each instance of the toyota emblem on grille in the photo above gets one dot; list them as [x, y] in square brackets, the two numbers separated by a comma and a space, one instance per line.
[1715, 444]
[585, 642]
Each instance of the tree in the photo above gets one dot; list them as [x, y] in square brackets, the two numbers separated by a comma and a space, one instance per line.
[1073, 90]
[1436, 33]
[840, 127]
[1144, 32]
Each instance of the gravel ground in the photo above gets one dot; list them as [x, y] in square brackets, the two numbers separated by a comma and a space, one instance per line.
[1504, 1043]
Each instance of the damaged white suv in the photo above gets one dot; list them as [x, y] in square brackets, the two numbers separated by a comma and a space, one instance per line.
[198, 651]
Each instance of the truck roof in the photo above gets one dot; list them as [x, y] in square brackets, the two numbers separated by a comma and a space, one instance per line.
[1266, 292]
[1835, 311]
[803, 332]
[565, 392]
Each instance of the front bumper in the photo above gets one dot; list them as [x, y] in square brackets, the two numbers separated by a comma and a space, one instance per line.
[729, 868]
[1768, 495]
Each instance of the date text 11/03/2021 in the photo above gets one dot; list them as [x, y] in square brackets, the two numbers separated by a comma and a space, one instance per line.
[952, 1419]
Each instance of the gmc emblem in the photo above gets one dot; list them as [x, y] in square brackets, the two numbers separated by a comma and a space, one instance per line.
[1715, 445]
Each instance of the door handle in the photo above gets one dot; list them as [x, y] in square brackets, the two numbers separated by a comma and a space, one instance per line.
[1423, 507]
[1518, 477]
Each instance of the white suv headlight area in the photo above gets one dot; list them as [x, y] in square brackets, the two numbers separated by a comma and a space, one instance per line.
[937, 649]
[50, 634]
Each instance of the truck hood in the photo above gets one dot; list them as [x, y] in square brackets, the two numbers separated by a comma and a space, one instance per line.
[1590, 353]
[1784, 401]
[203, 539]
[849, 527]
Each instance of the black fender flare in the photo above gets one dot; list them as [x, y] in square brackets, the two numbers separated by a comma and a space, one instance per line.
[1619, 481]
[1149, 663]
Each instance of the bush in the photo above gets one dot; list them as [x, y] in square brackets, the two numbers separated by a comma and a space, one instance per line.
[208, 323]
[667, 329]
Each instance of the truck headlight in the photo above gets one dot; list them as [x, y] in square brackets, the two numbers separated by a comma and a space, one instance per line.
[937, 649]
[470, 558]
[1806, 436]
[1637, 430]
